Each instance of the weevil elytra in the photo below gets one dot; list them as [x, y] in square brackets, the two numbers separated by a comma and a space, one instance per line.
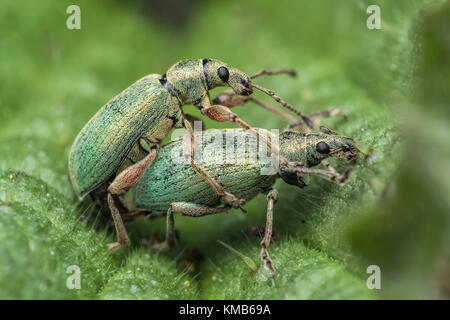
[106, 157]
[170, 187]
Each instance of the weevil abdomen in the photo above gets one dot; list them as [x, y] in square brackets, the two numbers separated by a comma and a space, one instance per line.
[108, 137]
[167, 180]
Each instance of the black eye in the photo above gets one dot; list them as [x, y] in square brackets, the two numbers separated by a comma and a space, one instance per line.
[323, 148]
[223, 74]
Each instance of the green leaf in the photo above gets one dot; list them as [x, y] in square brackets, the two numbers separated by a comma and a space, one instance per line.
[146, 276]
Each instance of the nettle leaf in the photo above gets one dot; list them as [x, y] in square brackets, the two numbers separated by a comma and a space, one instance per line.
[302, 273]
[149, 276]
[43, 236]
[55, 79]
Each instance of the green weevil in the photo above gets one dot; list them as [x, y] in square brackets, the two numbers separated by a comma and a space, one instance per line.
[171, 186]
[106, 159]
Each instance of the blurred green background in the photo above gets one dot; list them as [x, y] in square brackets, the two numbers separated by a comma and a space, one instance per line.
[394, 212]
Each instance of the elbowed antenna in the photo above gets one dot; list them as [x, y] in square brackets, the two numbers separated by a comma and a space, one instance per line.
[308, 122]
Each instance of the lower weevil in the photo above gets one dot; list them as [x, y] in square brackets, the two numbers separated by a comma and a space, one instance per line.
[170, 187]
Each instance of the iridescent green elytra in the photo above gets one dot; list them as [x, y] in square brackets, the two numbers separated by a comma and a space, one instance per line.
[171, 186]
[145, 108]
[106, 159]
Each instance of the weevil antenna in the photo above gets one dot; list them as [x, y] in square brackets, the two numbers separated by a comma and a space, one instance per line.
[290, 72]
[308, 121]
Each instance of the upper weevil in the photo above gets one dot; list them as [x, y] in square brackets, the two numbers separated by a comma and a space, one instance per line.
[106, 159]
[171, 186]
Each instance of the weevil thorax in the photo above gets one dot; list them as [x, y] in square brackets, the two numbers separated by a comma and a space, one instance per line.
[312, 148]
[186, 81]
[220, 74]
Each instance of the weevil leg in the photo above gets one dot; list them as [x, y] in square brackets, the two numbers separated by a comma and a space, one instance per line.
[272, 198]
[170, 240]
[326, 164]
[134, 214]
[120, 185]
[221, 113]
[339, 178]
[228, 197]
[294, 167]
[186, 209]
[138, 152]
[196, 210]
[330, 168]
[263, 72]
[343, 177]
[122, 236]
[230, 99]
[126, 179]
[315, 117]
[137, 213]
[327, 113]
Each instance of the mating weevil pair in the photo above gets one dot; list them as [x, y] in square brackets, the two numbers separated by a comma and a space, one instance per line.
[105, 160]
[114, 149]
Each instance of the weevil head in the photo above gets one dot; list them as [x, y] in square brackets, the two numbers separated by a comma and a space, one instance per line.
[312, 148]
[220, 74]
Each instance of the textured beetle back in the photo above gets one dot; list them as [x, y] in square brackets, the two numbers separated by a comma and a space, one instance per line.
[106, 139]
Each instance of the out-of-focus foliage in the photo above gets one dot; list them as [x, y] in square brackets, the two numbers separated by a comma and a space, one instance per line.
[408, 232]
[393, 82]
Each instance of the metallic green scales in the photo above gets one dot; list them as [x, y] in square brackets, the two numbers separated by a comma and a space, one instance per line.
[107, 138]
[187, 81]
[167, 180]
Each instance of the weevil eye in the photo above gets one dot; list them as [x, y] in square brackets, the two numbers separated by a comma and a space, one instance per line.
[223, 74]
[323, 148]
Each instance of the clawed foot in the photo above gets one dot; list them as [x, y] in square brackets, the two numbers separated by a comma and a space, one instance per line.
[116, 245]
[234, 202]
[267, 261]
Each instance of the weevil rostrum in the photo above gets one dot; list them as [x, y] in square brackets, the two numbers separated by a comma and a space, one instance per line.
[171, 186]
[105, 159]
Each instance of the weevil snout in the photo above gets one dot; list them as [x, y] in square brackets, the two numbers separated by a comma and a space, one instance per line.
[247, 90]
[346, 151]
[240, 83]
[350, 152]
